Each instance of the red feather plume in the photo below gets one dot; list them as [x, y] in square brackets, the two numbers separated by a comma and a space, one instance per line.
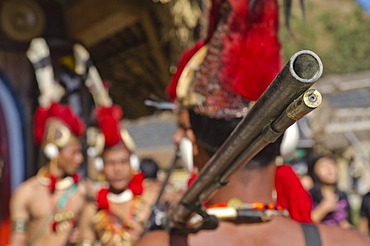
[62, 112]
[251, 54]
[108, 120]
[251, 50]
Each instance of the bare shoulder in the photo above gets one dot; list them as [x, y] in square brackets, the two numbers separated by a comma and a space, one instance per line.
[151, 190]
[26, 188]
[155, 238]
[22, 197]
[281, 231]
[90, 207]
[230, 234]
[85, 187]
[332, 235]
[151, 186]
[88, 212]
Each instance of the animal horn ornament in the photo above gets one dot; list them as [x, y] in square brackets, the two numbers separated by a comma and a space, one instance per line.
[285, 101]
[39, 55]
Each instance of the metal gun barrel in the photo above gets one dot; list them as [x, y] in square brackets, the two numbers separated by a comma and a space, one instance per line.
[301, 72]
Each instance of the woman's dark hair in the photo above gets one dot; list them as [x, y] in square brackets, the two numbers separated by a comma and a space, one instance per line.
[149, 168]
[311, 162]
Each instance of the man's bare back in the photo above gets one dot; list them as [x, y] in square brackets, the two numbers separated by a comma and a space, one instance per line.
[278, 232]
[33, 202]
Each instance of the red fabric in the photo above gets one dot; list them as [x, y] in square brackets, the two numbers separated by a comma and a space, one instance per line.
[61, 112]
[5, 231]
[54, 226]
[53, 182]
[76, 178]
[102, 200]
[291, 195]
[136, 184]
[192, 178]
[108, 119]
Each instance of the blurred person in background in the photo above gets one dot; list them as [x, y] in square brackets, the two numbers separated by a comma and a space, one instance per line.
[149, 167]
[364, 223]
[46, 208]
[122, 206]
[330, 204]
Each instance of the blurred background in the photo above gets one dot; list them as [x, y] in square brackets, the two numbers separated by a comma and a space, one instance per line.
[135, 45]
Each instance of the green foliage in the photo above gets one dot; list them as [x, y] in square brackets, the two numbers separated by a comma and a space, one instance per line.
[339, 33]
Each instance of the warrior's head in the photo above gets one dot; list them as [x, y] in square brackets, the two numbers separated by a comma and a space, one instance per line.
[115, 147]
[58, 131]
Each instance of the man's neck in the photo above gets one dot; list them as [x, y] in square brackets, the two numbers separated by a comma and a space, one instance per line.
[56, 172]
[116, 191]
[249, 186]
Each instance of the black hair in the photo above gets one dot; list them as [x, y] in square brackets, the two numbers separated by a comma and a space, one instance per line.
[267, 155]
[149, 168]
[211, 133]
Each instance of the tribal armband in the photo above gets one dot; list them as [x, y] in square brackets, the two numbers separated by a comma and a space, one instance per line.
[19, 225]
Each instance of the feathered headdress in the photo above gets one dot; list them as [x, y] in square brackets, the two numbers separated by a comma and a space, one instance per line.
[111, 133]
[108, 119]
[57, 124]
[249, 54]
[55, 127]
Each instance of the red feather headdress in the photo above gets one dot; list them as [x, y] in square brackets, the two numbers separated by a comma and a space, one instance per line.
[108, 119]
[250, 50]
[60, 112]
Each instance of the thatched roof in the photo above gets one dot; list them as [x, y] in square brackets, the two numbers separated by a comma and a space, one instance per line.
[134, 44]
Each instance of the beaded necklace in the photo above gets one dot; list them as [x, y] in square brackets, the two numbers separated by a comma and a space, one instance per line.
[51, 181]
[239, 212]
[109, 226]
[112, 228]
[60, 219]
[236, 210]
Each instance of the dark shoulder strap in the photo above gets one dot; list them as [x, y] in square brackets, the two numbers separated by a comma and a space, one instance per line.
[311, 234]
[178, 240]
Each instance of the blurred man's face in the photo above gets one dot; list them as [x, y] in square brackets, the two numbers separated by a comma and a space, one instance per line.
[117, 168]
[70, 158]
